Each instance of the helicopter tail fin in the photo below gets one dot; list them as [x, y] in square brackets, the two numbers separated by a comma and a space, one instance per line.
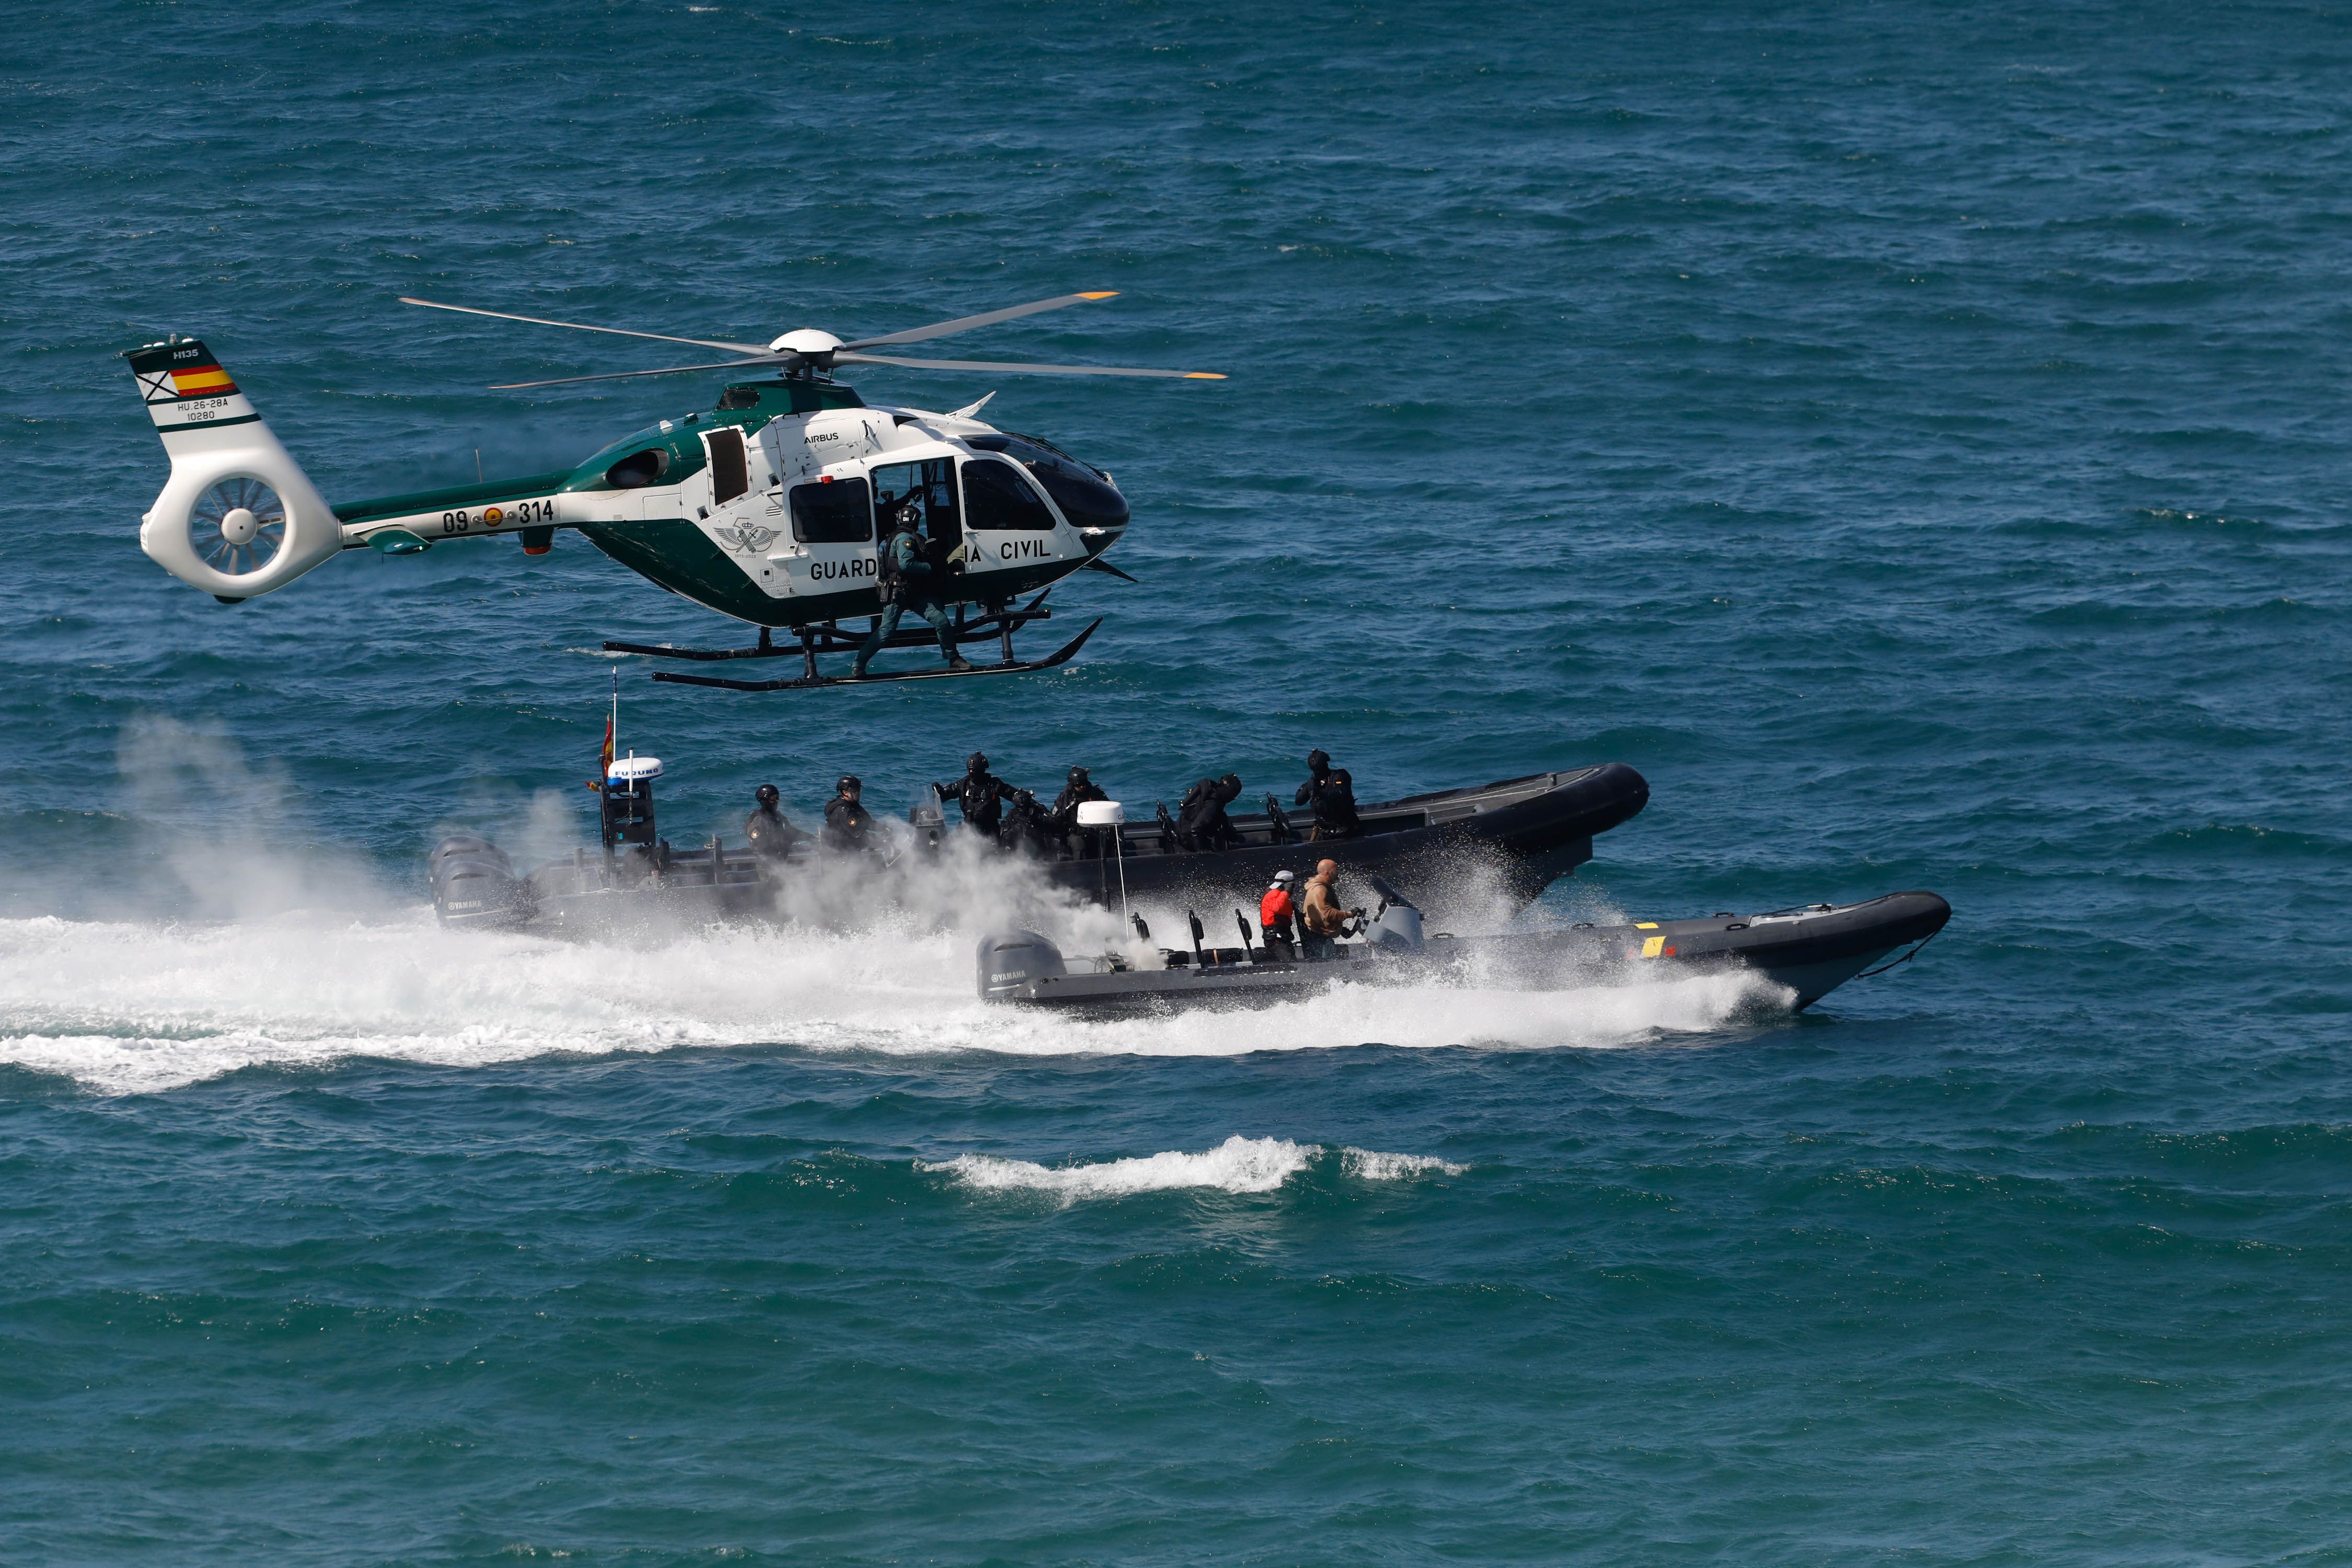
[237, 517]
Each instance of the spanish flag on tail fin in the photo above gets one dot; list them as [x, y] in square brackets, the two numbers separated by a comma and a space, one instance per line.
[184, 388]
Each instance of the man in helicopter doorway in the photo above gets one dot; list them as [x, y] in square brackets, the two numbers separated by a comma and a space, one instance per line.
[847, 821]
[1332, 793]
[772, 833]
[904, 582]
[981, 794]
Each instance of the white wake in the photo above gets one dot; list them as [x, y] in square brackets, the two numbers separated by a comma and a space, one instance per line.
[127, 1008]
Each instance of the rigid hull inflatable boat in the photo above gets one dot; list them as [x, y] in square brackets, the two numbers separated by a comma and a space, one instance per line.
[1811, 951]
[1527, 832]
[1532, 830]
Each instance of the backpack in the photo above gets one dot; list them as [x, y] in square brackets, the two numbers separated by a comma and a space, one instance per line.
[886, 581]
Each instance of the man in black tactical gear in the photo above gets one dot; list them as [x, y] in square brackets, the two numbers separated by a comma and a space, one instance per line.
[772, 836]
[1332, 793]
[1319, 768]
[1064, 818]
[846, 822]
[980, 793]
[1025, 825]
[1201, 820]
[908, 582]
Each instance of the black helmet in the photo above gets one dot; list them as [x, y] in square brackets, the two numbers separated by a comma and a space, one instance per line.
[765, 794]
[1078, 777]
[849, 784]
[977, 763]
[909, 519]
[1319, 758]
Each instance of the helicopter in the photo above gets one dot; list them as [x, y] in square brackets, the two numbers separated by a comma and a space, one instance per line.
[762, 507]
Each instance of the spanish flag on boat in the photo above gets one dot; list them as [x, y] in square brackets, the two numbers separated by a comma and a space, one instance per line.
[612, 721]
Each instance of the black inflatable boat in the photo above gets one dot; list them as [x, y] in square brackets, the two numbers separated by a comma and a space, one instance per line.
[1811, 951]
[1528, 832]
[1532, 830]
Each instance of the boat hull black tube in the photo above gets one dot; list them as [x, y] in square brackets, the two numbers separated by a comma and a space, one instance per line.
[475, 886]
[1810, 950]
[1531, 831]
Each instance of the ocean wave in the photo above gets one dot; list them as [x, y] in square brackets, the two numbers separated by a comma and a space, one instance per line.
[1372, 1166]
[1238, 1165]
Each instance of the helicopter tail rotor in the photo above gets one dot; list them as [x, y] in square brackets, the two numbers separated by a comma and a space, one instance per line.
[237, 517]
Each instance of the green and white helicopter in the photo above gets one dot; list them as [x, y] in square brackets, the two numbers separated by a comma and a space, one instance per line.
[763, 509]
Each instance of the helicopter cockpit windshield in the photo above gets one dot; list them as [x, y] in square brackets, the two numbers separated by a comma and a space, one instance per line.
[1084, 492]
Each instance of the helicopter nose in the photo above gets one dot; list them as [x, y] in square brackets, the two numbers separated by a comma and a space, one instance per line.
[1090, 505]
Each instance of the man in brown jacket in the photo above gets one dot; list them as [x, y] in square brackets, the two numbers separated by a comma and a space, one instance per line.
[1320, 911]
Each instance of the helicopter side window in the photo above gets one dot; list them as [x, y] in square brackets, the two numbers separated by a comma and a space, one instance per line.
[838, 513]
[995, 497]
[638, 469]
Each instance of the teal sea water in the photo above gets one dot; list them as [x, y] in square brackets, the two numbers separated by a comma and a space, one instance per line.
[1915, 439]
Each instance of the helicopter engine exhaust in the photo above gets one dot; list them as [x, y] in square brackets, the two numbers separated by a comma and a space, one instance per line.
[237, 517]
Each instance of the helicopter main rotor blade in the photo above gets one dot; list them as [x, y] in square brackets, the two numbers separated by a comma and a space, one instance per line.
[845, 357]
[632, 374]
[580, 327]
[966, 323]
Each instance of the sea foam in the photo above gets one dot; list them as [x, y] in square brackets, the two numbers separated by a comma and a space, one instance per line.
[134, 1006]
[1237, 1166]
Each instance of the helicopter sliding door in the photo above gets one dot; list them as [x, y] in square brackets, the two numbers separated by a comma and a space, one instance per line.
[929, 486]
[733, 516]
[833, 538]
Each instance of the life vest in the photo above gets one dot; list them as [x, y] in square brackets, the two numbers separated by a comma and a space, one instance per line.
[1274, 910]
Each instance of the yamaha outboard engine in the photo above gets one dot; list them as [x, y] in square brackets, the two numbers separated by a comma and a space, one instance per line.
[1010, 960]
[1395, 926]
[474, 883]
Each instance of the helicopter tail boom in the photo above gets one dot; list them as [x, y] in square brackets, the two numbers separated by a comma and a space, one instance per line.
[237, 517]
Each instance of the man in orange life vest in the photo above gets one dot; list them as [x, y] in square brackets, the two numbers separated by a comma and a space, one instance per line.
[1275, 912]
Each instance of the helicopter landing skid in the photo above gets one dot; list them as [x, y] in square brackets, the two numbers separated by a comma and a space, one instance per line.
[811, 682]
[1002, 620]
